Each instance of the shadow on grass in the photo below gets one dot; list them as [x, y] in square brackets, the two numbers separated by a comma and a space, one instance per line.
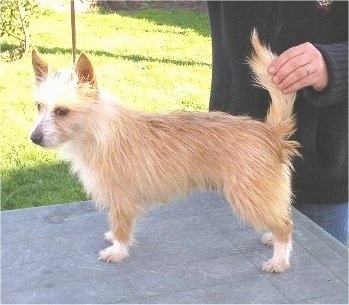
[5, 46]
[11, 51]
[175, 17]
[40, 185]
[131, 57]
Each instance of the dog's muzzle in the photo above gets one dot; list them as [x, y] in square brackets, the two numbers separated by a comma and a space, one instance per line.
[37, 137]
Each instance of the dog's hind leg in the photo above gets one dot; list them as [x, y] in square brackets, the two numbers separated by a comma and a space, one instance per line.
[266, 210]
[120, 235]
[281, 240]
[280, 225]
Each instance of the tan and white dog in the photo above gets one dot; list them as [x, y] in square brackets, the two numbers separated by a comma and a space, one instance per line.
[129, 160]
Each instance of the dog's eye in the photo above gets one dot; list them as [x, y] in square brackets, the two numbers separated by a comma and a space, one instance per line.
[39, 106]
[61, 111]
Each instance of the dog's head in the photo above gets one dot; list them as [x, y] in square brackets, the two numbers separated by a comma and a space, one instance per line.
[59, 97]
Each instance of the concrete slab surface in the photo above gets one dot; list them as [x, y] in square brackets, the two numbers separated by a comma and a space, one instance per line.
[193, 250]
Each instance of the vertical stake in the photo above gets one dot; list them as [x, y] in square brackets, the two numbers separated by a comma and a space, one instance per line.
[73, 30]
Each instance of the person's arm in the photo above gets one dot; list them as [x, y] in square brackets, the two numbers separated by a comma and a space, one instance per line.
[336, 58]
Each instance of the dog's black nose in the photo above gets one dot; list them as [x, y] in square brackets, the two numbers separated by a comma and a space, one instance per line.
[36, 137]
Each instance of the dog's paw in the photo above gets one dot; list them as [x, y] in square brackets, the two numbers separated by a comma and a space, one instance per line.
[273, 265]
[115, 254]
[268, 239]
[109, 237]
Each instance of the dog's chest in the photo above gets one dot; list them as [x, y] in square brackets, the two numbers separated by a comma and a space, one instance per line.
[83, 169]
[87, 177]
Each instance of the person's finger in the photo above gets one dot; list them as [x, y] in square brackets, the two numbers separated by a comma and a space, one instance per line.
[285, 57]
[295, 76]
[300, 84]
[292, 66]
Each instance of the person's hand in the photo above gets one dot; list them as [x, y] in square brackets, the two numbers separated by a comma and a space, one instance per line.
[298, 67]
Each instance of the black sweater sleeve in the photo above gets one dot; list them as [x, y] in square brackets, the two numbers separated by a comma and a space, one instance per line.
[336, 58]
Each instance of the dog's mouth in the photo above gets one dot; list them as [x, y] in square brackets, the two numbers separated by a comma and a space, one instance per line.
[39, 139]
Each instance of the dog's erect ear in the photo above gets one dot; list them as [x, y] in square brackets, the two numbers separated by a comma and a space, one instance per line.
[40, 66]
[84, 70]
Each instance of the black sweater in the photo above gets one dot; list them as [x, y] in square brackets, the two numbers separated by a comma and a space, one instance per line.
[321, 174]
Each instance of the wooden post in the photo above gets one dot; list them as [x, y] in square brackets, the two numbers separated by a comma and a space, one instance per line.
[73, 30]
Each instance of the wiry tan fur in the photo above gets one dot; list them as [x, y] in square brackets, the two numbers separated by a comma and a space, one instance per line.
[129, 160]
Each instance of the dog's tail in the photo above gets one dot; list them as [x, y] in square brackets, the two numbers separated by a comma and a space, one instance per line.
[281, 107]
[280, 114]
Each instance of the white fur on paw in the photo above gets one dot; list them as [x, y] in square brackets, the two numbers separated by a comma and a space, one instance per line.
[268, 239]
[109, 237]
[275, 266]
[116, 253]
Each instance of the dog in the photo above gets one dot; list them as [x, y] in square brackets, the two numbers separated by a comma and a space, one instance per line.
[129, 160]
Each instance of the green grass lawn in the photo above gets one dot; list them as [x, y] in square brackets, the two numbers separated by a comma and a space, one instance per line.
[153, 60]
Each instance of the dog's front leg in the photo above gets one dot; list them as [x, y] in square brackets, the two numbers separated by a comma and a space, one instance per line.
[120, 236]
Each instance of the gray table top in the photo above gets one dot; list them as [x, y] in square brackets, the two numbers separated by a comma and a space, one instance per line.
[192, 250]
